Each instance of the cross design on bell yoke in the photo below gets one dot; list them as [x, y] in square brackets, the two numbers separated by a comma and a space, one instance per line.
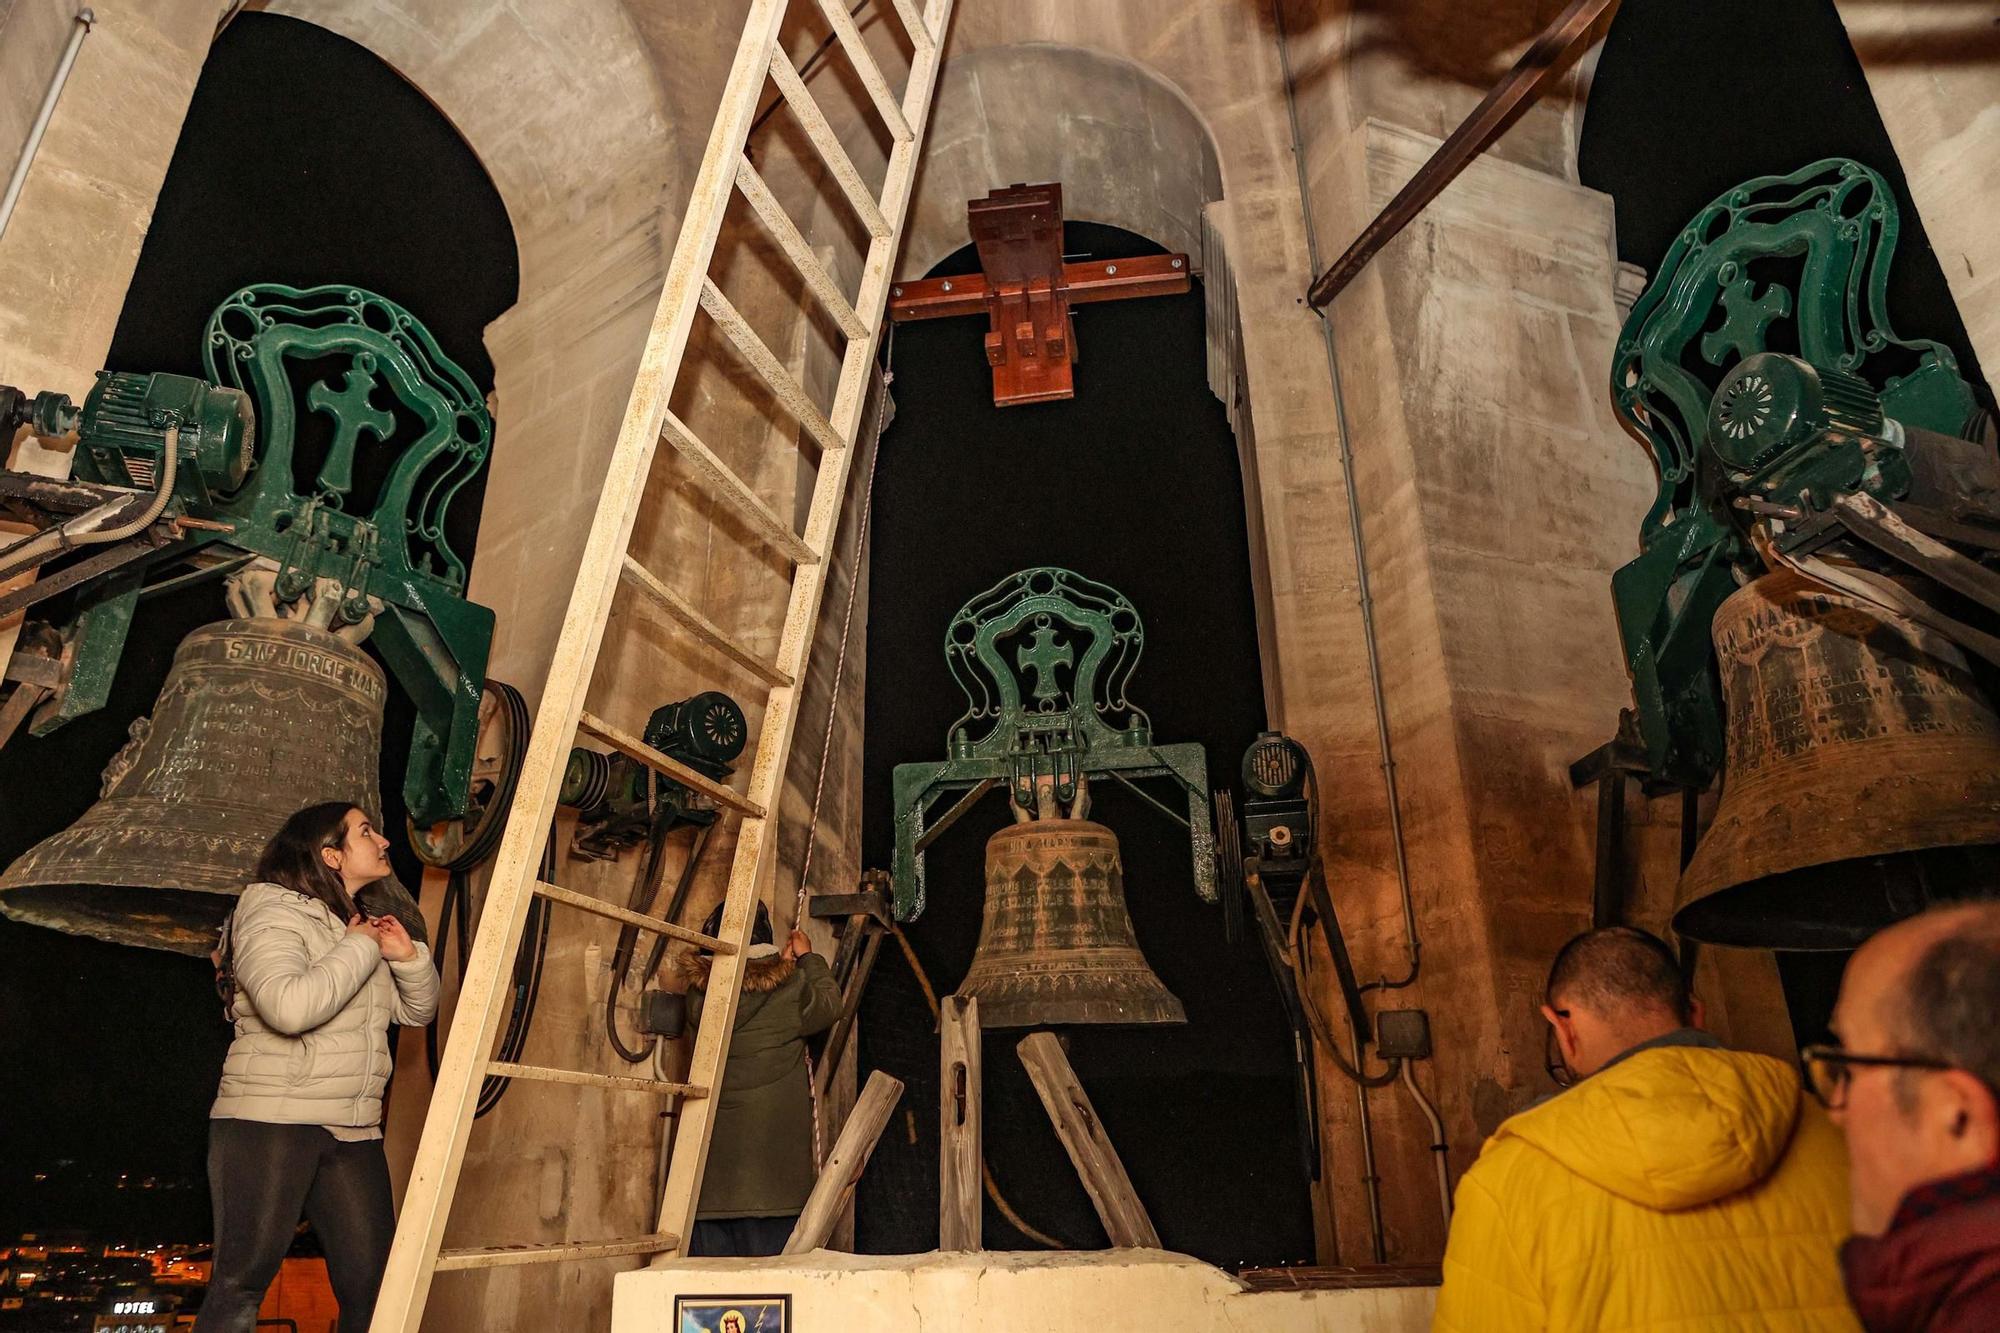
[352, 414]
[1042, 656]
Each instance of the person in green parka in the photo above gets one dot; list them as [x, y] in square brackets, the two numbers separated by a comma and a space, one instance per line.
[760, 1157]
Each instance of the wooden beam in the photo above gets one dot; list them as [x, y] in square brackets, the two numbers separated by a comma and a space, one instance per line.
[1104, 1178]
[1533, 74]
[960, 1169]
[1082, 283]
[844, 1165]
[507, 1256]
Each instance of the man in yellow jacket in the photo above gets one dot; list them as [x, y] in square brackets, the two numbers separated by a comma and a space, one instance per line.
[1677, 1185]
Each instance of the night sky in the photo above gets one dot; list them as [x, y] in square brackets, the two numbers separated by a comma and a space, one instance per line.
[306, 160]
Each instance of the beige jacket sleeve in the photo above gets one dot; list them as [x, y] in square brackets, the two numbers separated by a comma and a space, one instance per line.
[292, 991]
[416, 988]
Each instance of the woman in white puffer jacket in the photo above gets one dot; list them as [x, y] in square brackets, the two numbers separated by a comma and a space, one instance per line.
[296, 1129]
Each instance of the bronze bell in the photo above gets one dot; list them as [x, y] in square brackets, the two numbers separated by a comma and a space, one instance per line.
[258, 718]
[1861, 779]
[1056, 944]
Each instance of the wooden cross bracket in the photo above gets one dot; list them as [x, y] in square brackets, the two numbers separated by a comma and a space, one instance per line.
[1026, 291]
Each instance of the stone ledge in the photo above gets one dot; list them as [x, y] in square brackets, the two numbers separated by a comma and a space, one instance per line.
[1105, 1291]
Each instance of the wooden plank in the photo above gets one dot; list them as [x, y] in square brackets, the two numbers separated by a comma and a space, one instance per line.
[755, 839]
[864, 64]
[913, 23]
[827, 144]
[583, 902]
[961, 1197]
[844, 1165]
[434, 1175]
[508, 1256]
[583, 1079]
[710, 633]
[1552, 52]
[633, 748]
[784, 386]
[786, 233]
[726, 486]
[1104, 1178]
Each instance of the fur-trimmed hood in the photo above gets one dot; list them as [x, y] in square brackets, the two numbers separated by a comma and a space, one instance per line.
[762, 975]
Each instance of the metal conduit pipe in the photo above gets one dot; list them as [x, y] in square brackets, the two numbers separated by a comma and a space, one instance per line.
[84, 21]
[1370, 1177]
[1365, 597]
[1439, 1147]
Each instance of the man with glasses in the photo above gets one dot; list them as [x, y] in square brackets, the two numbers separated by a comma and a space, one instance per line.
[1912, 1083]
[1673, 1184]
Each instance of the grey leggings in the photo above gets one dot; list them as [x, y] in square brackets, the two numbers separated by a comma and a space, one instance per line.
[264, 1178]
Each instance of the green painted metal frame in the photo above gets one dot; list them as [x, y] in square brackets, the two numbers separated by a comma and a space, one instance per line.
[1038, 728]
[1725, 285]
[433, 639]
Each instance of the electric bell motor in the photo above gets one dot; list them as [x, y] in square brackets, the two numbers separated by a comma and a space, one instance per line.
[1277, 819]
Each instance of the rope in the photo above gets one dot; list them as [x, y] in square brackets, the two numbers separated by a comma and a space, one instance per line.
[826, 744]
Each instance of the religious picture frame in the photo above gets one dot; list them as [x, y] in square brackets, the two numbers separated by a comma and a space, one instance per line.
[732, 1314]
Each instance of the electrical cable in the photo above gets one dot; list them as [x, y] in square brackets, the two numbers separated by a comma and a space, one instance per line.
[456, 908]
[41, 547]
[644, 892]
[1014, 1219]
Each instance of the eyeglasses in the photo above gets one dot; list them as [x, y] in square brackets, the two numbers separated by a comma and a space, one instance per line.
[1552, 1059]
[1830, 1069]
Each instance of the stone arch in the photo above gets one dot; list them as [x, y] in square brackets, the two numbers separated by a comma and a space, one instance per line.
[1129, 147]
[586, 122]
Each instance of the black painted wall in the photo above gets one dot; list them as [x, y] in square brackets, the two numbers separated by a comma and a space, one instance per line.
[1134, 482]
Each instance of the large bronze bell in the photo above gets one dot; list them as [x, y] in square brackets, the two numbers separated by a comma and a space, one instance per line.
[1056, 944]
[258, 718]
[1862, 776]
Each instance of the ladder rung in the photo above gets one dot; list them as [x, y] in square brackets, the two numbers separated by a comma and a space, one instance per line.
[622, 1082]
[827, 144]
[864, 64]
[782, 383]
[737, 493]
[633, 748]
[913, 23]
[583, 902]
[710, 633]
[786, 233]
[506, 1256]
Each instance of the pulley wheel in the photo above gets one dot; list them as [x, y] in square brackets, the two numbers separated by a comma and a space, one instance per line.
[502, 745]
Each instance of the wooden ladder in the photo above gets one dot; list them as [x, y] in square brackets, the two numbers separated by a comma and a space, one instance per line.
[607, 563]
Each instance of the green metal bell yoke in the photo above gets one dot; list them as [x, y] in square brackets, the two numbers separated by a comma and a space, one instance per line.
[1044, 657]
[1747, 370]
[235, 496]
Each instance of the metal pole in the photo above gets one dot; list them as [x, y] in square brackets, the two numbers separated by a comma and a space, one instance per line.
[1532, 75]
[84, 20]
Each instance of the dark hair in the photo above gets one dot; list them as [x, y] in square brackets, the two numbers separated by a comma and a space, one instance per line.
[292, 857]
[760, 929]
[1952, 993]
[1619, 967]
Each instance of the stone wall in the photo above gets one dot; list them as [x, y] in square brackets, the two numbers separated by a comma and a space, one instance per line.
[1934, 68]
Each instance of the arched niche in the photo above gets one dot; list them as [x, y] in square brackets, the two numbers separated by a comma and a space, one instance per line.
[1131, 151]
[1128, 147]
